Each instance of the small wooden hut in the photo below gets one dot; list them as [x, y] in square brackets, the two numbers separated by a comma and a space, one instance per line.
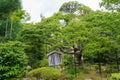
[54, 58]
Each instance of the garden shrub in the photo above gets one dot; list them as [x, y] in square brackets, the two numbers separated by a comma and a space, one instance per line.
[47, 73]
[13, 61]
[115, 76]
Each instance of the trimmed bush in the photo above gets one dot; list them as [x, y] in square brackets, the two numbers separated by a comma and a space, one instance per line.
[13, 61]
[115, 76]
[47, 73]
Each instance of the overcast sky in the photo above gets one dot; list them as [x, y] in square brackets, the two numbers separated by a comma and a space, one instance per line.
[49, 7]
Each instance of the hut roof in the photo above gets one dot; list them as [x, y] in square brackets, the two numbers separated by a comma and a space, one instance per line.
[53, 52]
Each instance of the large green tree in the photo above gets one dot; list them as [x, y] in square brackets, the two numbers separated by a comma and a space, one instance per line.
[96, 31]
[74, 7]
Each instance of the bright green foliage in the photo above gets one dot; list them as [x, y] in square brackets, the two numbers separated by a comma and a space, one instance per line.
[115, 76]
[47, 73]
[13, 61]
[67, 60]
[20, 15]
[41, 38]
[104, 30]
[34, 41]
[51, 28]
[97, 32]
[75, 23]
[44, 62]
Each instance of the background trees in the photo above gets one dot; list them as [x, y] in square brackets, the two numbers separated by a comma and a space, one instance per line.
[10, 19]
[74, 7]
[95, 30]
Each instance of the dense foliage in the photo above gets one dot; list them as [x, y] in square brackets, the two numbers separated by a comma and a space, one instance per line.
[34, 41]
[115, 76]
[10, 19]
[13, 61]
[96, 31]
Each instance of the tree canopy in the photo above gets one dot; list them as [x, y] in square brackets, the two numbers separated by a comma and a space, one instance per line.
[74, 7]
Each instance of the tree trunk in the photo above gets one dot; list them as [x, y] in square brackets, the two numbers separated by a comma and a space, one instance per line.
[77, 53]
[11, 29]
[6, 27]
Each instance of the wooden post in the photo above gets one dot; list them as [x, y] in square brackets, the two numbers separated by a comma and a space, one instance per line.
[75, 48]
[117, 63]
[6, 27]
[11, 29]
[75, 65]
[99, 65]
